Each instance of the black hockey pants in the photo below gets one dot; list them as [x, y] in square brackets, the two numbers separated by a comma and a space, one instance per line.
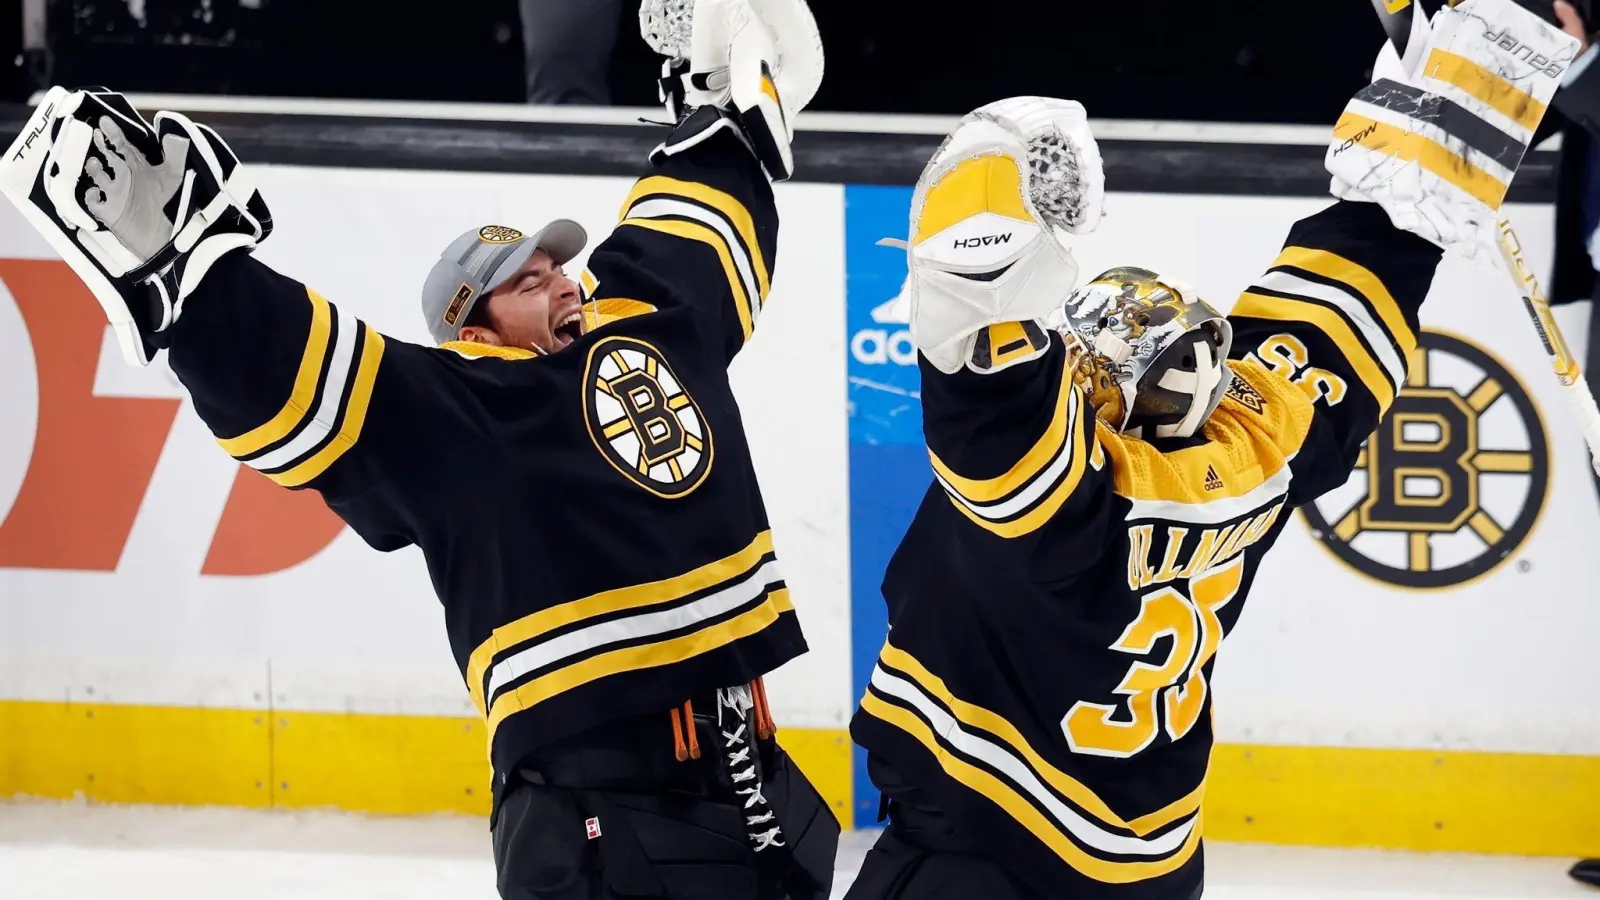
[898, 869]
[605, 823]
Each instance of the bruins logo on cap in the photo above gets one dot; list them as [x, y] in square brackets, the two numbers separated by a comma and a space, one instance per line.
[499, 234]
[1452, 482]
[642, 419]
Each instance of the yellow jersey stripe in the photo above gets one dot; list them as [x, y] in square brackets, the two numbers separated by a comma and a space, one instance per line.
[301, 396]
[599, 313]
[1025, 813]
[634, 597]
[632, 659]
[696, 232]
[1337, 268]
[1435, 158]
[1080, 794]
[988, 490]
[478, 351]
[730, 208]
[355, 416]
[1165, 816]
[1331, 324]
[1506, 98]
[1041, 513]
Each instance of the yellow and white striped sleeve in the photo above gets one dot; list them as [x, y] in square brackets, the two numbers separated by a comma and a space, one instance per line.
[700, 233]
[284, 379]
[1012, 448]
[1337, 315]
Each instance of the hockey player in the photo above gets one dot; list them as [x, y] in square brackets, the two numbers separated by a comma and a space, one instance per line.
[1110, 472]
[571, 465]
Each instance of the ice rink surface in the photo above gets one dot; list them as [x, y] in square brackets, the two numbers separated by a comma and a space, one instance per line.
[72, 851]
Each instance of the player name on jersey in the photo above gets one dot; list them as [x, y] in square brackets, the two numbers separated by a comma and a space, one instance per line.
[1214, 546]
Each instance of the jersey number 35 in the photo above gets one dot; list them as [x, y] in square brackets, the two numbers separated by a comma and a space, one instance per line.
[1173, 692]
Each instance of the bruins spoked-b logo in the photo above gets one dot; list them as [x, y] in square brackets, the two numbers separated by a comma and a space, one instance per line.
[642, 420]
[1453, 480]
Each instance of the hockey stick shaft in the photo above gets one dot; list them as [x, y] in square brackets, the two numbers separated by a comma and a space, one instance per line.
[1570, 374]
[1396, 16]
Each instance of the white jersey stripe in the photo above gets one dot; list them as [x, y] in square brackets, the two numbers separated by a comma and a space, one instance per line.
[1013, 767]
[1357, 311]
[1039, 486]
[659, 207]
[586, 640]
[340, 371]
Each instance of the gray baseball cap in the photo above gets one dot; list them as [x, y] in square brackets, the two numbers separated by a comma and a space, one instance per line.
[481, 260]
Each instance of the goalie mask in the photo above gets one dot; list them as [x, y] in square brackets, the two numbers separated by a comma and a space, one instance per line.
[1154, 356]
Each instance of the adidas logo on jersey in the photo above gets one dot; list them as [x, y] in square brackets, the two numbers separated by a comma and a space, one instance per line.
[1213, 480]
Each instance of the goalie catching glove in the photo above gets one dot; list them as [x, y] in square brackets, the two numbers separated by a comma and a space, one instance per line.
[990, 218]
[749, 66]
[1436, 138]
[139, 211]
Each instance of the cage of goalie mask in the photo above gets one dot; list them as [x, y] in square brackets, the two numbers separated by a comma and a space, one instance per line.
[1156, 353]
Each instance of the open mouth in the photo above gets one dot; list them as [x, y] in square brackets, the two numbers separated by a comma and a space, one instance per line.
[569, 329]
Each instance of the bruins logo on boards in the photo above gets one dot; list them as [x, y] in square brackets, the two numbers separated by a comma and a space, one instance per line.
[642, 420]
[1453, 480]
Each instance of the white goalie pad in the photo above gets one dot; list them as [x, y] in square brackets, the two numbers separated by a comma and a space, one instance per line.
[990, 220]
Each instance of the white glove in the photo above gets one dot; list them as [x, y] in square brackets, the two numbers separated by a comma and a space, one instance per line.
[1437, 147]
[758, 62]
[139, 211]
[990, 221]
[128, 198]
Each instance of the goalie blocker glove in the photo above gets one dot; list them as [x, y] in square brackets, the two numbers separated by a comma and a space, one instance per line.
[746, 66]
[139, 211]
[1436, 140]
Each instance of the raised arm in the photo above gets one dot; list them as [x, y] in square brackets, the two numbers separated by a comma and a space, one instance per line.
[1011, 436]
[1421, 161]
[307, 394]
[701, 230]
[159, 221]
[1016, 450]
[1336, 314]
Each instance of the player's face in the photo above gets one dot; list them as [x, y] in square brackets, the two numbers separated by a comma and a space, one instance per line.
[539, 308]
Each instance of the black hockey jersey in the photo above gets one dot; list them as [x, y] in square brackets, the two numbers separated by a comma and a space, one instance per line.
[1056, 605]
[590, 519]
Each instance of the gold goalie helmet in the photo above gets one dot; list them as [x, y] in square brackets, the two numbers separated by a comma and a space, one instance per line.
[1152, 355]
